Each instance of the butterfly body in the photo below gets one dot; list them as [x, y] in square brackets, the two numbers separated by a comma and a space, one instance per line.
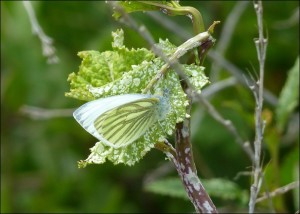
[118, 121]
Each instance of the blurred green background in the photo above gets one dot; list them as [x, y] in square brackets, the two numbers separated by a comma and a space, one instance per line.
[39, 155]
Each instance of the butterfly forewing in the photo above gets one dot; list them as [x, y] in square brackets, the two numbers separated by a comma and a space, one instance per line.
[125, 124]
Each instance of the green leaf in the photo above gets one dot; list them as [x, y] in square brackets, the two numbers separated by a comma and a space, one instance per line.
[124, 71]
[133, 82]
[226, 190]
[169, 186]
[98, 68]
[289, 171]
[289, 96]
[218, 187]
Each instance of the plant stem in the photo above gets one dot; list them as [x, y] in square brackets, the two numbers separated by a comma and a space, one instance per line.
[47, 42]
[278, 191]
[261, 46]
[38, 113]
[176, 9]
[186, 167]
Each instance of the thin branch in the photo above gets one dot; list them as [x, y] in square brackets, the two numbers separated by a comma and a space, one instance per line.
[47, 42]
[218, 86]
[279, 191]
[38, 113]
[227, 124]
[226, 34]
[261, 46]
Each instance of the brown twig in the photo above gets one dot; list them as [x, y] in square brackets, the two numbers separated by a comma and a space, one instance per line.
[187, 169]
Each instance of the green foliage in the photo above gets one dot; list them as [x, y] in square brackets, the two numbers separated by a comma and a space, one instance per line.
[289, 96]
[168, 186]
[38, 157]
[290, 172]
[217, 187]
[124, 71]
[99, 68]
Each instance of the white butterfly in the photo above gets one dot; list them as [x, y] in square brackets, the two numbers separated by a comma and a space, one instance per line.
[118, 121]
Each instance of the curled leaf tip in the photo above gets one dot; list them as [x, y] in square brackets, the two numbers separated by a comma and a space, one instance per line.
[212, 27]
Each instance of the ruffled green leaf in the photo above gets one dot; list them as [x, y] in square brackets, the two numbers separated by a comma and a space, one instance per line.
[124, 71]
[99, 68]
[135, 81]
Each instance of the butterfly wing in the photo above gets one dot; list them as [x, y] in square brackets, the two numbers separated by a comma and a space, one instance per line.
[125, 124]
[101, 110]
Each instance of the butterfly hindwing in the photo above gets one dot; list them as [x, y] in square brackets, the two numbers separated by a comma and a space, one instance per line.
[86, 114]
[120, 120]
[126, 123]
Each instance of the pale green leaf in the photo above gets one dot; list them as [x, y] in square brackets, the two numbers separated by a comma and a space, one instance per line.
[289, 172]
[218, 187]
[289, 96]
[168, 186]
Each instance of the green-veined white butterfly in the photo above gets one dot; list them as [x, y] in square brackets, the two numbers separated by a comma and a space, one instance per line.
[119, 120]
